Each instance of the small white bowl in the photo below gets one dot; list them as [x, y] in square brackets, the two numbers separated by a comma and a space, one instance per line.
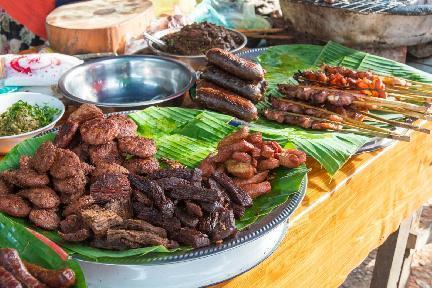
[8, 99]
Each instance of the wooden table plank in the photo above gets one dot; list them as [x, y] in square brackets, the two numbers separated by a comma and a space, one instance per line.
[341, 221]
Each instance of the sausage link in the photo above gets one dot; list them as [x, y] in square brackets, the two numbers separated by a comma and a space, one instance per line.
[235, 65]
[252, 90]
[61, 278]
[224, 101]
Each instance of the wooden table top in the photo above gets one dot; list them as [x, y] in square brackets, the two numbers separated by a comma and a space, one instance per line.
[342, 219]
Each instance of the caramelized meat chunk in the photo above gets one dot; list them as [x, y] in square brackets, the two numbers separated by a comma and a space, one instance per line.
[100, 220]
[44, 157]
[137, 146]
[105, 153]
[192, 237]
[99, 131]
[14, 205]
[66, 134]
[66, 164]
[141, 166]
[292, 158]
[45, 218]
[85, 113]
[126, 126]
[43, 197]
[257, 189]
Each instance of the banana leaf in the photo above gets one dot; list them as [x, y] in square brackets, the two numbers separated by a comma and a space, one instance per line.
[33, 250]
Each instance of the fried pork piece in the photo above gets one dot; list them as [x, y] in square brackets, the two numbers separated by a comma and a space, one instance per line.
[235, 137]
[85, 113]
[257, 189]
[43, 197]
[142, 238]
[25, 178]
[99, 131]
[66, 164]
[72, 185]
[105, 153]
[141, 166]
[257, 178]
[5, 188]
[137, 146]
[126, 126]
[240, 169]
[45, 218]
[105, 168]
[109, 187]
[79, 204]
[100, 220]
[268, 164]
[66, 134]
[291, 158]
[14, 205]
[44, 157]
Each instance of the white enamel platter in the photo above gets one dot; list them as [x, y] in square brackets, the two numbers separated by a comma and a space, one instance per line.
[199, 267]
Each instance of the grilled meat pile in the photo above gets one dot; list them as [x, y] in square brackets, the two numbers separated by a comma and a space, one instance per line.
[16, 273]
[231, 84]
[249, 160]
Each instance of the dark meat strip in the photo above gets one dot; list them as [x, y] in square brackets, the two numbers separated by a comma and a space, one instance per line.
[225, 101]
[154, 217]
[85, 113]
[100, 220]
[71, 223]
[192, 237]
[44, 157]
[207, 224]
[225, 226]
[7, 280]
[45, 218]
[235, 65]
[76, 236]
[185, 218]
[182, 173]
[122, 207]
[142, 198]
[141, 225]
[53, 278]
[171, 182]
[211, 207]
[66, 134]
[235, 193]
[14, 205]
[109, 187]
[252, 90]
[11, 261]
[190, 192]
[193, 209]
[196, 177]
[238, 210]
[156, 193]
[43, 197]
[137, 146]
[143, 238]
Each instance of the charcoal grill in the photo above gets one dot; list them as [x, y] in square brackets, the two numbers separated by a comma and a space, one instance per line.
[362, 23]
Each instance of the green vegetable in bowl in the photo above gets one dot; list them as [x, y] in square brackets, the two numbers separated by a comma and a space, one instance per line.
[22, 117]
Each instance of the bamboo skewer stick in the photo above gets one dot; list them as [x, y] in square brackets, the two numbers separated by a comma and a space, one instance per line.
[387, 134]
[346, 119]
[395, 123]
[403, 112]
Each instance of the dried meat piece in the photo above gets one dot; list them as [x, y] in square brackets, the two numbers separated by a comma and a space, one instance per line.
[225, 226]
[78, 205]
[109, 187]
[142, 198]
[238, 210]
[63, 278]
[143, 238]
[141, 166]
[235, 193]
[185, 218]
[66, 164]
[107, 153]
[67, 199]
[182, 173]
[5, 188]
[85, 113]
[45, 218]
[66, 134]
[100, 220]
[211, 207]
[141, 225]
[126, 126]
[190, 192]
[137, 146]
[76, 236]
[122, 207]
[14, 205]
[99, 131]
[193, 209]
[154, 217]
[71, 223]
[171, 182]
[44, 157]
[207, 224]
[43, 197]
[192, 237]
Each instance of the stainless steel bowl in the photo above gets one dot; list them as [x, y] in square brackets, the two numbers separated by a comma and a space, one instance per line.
[127, 82]
[196, 61]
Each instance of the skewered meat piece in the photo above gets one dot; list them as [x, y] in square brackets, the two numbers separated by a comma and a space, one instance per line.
[11, 261]
[141, 166]
[43, 197]
[7, 280]
[45, 218]
[85, 113]
[302, 121]
[25, 178]
[252, 90]
[14, 205]
[126, 126]
[109, 187]
[192, 237]
[235, 65]
[225, 101]
[155, 192]
[63, 278]
[5, 188]
[317, 95]
[72, 185]
[106, 167]
[105, 153]
[66, 134]
[99, 131]
[236, 194]
[137, 146]
[100, 220]
[257, 189]
[44, 157]
[66, 164]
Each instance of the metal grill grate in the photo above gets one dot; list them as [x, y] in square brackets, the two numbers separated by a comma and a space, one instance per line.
[362, 6]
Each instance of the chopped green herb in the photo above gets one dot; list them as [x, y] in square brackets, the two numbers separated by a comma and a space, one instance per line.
[22, 117]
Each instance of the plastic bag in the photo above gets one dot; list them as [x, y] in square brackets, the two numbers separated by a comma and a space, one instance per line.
[230, 14]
